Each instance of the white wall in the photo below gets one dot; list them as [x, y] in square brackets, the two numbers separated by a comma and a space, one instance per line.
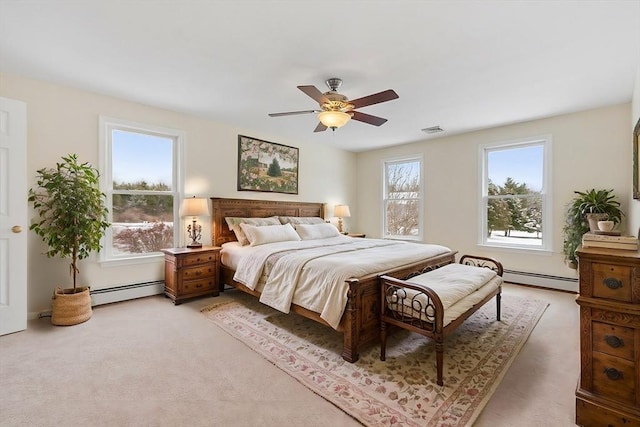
[590, 150]
[61, 120]
[634, 205]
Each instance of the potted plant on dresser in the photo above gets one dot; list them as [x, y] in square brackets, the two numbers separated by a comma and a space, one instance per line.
[582, 216]
[72, 218]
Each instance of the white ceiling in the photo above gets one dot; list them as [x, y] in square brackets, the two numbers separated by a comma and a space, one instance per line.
[462, 65]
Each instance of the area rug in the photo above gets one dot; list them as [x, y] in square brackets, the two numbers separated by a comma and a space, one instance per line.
[401, 391]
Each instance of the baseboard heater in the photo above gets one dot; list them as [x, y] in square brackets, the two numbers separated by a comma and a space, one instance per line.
[569, 284]
[126, 292]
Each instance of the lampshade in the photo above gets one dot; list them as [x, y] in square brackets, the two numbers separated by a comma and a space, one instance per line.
[341, 211]
[334, 119]
[194, 207]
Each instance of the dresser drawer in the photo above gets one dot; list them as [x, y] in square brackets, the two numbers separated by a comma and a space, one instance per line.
[198, 272]
[206, 284]
[198, 258]
[611, 281]
[613, 340]
[614, 377]
[590, 415]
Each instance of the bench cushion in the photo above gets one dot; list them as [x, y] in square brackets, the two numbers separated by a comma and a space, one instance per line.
[458, 286]
[454, 282]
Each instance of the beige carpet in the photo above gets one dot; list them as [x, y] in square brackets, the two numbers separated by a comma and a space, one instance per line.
[402, 390]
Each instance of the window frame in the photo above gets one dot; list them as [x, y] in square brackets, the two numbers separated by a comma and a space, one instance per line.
[106, 126]
[396, 160]
[546, 141]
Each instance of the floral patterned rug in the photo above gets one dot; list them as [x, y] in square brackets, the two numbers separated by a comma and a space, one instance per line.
[401, 391]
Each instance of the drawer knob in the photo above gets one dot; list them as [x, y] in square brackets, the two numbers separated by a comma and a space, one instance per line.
[612, 283]
[613, 374]
[613, 341]
[198, 273]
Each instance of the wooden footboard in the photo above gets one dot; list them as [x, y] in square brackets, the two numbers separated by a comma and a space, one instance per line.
[361, 318]
[419, 309]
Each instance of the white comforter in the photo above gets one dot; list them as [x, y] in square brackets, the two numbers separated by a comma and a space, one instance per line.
[314, 277]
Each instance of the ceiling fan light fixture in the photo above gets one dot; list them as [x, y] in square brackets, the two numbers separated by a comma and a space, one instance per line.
[334, 119]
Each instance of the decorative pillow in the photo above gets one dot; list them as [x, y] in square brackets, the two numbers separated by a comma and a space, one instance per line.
[234, 224]
[259, 235]
[317, 231]
[301, 220]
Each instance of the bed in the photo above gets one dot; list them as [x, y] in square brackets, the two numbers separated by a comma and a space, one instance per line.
[359, 322]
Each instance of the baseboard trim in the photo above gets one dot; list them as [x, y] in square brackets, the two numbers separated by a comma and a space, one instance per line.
[568, 284]
[126, 292]
[115, 294]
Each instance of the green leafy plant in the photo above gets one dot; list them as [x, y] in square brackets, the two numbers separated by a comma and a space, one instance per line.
[72, 216]
[576, 222]
[600, 201]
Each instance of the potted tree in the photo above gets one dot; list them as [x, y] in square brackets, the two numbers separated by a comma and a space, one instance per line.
[72, 218]
[582, 215]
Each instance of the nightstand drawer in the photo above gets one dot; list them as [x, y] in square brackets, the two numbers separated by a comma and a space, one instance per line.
[614, 377]
[201, 258]
[198, 272]
[612, 281]
[613, 340]
[197, 286]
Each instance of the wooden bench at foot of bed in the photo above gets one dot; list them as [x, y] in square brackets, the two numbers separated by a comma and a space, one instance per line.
[418, 308]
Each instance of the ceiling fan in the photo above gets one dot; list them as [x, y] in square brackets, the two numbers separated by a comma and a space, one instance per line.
[336, 109]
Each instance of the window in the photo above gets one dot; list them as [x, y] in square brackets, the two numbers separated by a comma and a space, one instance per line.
[515, 204]
[402, 199]
[141, 177]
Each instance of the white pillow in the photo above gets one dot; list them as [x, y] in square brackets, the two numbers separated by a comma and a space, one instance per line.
[259, 235]
[317, 231]
[301, 220]
[234, 225]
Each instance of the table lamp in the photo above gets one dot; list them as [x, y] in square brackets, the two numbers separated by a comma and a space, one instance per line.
[341, 211]
[194, 207]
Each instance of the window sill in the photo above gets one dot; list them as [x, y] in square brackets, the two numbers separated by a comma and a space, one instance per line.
[517, 249]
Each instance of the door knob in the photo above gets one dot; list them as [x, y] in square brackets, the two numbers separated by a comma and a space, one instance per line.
[16, 229]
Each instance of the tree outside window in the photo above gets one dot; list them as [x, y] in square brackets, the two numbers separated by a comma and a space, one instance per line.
[515, 203]
[402, 199]
[141, 183]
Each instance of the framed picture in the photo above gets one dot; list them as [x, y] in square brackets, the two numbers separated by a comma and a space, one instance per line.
[636, 161]
[266, 166]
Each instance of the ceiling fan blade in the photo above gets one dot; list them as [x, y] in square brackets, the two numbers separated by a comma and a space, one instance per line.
[376, 98]
[368, 118]
[314, 93]
[320, 128]
[292, 113]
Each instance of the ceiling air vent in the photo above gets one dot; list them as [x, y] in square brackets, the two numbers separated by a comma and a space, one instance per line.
[433, 129]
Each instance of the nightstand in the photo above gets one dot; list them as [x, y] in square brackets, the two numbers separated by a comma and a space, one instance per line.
[356, 235]
[191, 272]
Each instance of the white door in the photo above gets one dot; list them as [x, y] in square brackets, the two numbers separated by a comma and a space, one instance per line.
[13, 216]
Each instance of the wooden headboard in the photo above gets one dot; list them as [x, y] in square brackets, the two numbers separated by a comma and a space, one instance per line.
[220, 232]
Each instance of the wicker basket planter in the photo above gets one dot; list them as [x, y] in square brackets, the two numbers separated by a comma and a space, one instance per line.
[70, 306]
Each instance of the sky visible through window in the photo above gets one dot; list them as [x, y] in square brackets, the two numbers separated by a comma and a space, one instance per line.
[523, 165]
[138, 157]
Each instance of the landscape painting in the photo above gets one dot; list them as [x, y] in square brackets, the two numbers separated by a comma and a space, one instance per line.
[266, 166]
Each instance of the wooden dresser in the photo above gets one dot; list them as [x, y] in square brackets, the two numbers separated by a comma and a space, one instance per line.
[190, 273]
[608, 394]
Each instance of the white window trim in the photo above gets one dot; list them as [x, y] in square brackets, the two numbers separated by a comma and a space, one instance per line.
[547, 209]
[420, 159]
[105, 126]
